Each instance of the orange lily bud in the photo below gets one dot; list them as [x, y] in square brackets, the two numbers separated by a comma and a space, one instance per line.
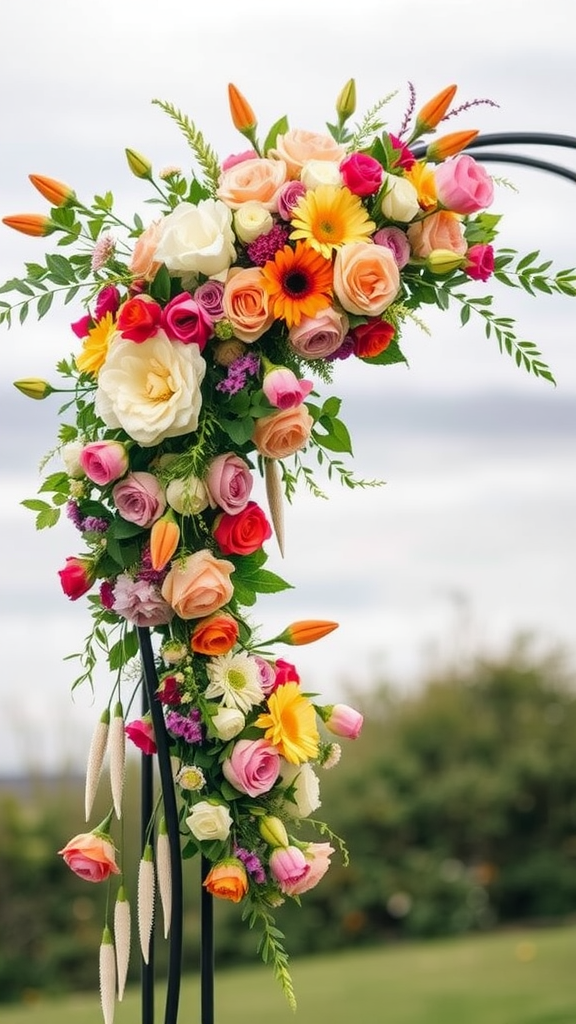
[35, 224]
[346, 102]
[450, 145]
[34, 387]
[164, 538]
[432, 112]
[138, 164]
[243, 117]
[306, 631]
[54, 191]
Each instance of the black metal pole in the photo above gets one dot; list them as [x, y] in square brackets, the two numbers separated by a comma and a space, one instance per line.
[172, 826]
[206, 948]
[515, 139]
[146, 807]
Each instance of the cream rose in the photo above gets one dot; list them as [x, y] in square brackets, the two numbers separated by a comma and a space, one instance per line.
[198, 239]
[187, 496]
[251, 220]
[366, 278]
[245, 303]
[258, 180]
[227, 723]
[151, 390]
[320, 172]
[304, 786]
[283, 433]
[198, 585]
[298, 146]
[209, 821]
[400, 201]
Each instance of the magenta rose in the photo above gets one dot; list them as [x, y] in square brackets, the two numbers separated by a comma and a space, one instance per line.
[394, 239]
[141, 732]
[283, 389]
[185, 320]
[253, 767]
[82, 326]
[319, 336]
[107, 301]
[209, 296]
[229, 482]
[238, 158]
[140, 499]
[479, 262]
[289, 866]
[104, 461]
[284, 672]
[242, 533]
[76, 577]
[463, 185]
[362, 174]
[405, 157]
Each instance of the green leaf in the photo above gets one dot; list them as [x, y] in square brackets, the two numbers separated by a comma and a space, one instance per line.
[44, 304]
[280, 127]
[49, 517]
[160, 288]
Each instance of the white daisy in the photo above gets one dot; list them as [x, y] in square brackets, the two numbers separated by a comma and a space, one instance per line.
[236, 679]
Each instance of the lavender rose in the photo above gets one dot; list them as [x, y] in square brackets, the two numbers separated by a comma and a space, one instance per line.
[140, 499]
[229, 482]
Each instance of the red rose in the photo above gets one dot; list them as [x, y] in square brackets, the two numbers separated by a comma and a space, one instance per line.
[76, 577]
[139, 318]
[243, 533]
[285, 672]
[372, 338]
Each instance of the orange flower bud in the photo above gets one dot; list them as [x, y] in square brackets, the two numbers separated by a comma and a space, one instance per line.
[432, 112]
[164, 538]
[450, 145]
[54, 191]
[35, 224]
[243, 117]
[306, 631]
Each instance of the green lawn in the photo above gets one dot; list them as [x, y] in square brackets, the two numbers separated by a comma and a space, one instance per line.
[516, 977]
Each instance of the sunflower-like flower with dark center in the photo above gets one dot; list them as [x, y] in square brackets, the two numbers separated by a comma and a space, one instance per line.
[328, 217]
[298, 282]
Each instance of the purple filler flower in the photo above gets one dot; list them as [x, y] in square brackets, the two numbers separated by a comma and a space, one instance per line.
[238, 371]
[252, 863]
[266, 246]
[189, 727]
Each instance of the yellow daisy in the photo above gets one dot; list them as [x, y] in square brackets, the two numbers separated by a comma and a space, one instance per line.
[291, 724]
[298, 282]
[95, 349]
[328, 217]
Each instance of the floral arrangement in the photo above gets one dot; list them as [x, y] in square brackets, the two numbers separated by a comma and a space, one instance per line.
[205, 336]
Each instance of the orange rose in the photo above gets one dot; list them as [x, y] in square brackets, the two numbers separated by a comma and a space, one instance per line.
[215, 635]
[283, 433]
[227, 880]
[366, 278]
[296, 147]
[442, 230]
[91, 855]
[199, 585]
[245, 303]
[143, 264]
[258, 180]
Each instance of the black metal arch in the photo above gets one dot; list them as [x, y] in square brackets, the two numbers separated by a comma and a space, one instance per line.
[519, 139]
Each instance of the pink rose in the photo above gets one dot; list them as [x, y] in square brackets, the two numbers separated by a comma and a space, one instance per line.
[318, 337]
[317, 856]
[463, 185]
[267, 674]
[140, 602]
[229, 482]
[140, 499]
[209, 296]
[91, 855]
[104, 461]
[479, 262]
[362, 174]
[185, 320]
[289, 866]
[366, 278]
[441, 230]
[198, 585]
[283, 388]
[238, 158]
[288, 198]
[253, 767]
[394, 239]
[76, 577]
[141, 732]
[107, 301]
[342, 720]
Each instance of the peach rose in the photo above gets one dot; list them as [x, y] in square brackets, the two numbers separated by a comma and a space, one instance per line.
[297, 146]
[91, 855]
[143, 263]
[442, 230]
[215, 635]
[258, 181]
[283, 433]
[246, 303]
[366, 278]
[199, 585]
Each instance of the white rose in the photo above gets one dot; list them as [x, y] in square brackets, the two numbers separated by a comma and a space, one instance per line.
[251, 220]
[151, 390]
[227, 723]
[71, 459]
[198, 239]
[187, 496]
[209, 821]
[306, 789]
[400, 201]
[320, 172]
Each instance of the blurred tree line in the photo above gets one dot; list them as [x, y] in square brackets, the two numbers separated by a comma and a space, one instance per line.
[458, 804]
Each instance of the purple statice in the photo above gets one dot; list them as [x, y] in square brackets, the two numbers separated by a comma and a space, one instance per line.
[266, 246]
[252, 863]
[74, 515]
[238, 371]
[94, 524]
[189, 726]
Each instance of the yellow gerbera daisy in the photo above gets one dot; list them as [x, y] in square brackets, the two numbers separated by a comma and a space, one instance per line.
[329, 217]
[298, 282]
[291, 724]
[95, 349]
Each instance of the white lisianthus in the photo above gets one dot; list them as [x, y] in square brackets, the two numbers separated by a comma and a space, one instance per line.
[151, 390]
[235, 678]
[198, 239]
[251, 220]
[400, 201]
[227, 723]
[320, 172]
[305, 785]
[209, 821]
[71, 459]
[187, 496]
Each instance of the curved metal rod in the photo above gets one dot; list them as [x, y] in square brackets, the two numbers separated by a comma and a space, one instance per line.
[528, 161]
[172, 825]
[519, 138]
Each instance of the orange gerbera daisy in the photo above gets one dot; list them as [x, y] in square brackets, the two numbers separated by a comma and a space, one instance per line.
[291, 724]
[93, 355]
[329, 217]
[298, 282]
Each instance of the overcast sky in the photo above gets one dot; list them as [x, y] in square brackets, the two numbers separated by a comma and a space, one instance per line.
[479, 505]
